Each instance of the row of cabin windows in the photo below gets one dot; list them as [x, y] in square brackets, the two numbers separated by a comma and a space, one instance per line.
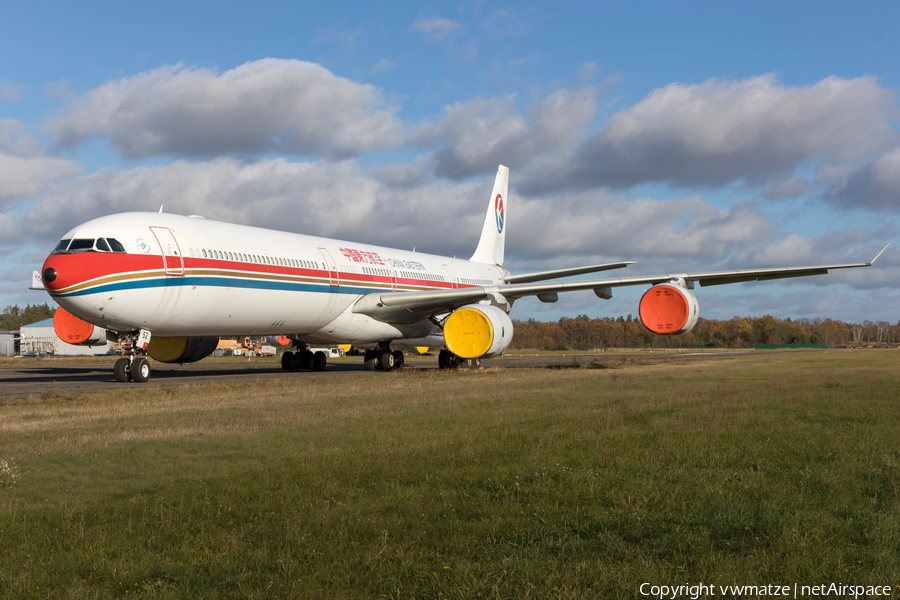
[255, 258]
[408, 274]
[475, 281]
[85, 245]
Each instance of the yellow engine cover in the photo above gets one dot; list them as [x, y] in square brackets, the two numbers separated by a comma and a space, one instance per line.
[167, 350]
[468, 333]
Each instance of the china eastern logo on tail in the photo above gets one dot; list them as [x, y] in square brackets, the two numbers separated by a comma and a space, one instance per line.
[498, 211]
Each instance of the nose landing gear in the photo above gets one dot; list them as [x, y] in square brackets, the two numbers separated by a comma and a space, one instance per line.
[135, 366]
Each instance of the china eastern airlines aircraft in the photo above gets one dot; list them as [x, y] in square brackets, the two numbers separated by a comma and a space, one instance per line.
[168, 286]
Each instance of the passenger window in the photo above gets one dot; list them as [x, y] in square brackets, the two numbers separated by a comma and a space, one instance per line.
[62, 245]
[102, 245]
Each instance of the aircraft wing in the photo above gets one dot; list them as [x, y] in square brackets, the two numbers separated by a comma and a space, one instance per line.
[545, 275]
[408, 307]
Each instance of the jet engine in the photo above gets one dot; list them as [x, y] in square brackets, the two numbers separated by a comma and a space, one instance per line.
[181, 349]
[75, 331]
[669, 308]
[478, 331]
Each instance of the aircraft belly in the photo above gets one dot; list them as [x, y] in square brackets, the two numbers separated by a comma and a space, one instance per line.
[360, 329]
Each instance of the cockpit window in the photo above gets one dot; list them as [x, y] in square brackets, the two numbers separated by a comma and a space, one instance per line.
[102, 245]
[115, 245]
[62, 245]
[81, 245]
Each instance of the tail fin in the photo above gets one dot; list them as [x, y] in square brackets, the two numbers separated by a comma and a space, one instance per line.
[493, 234]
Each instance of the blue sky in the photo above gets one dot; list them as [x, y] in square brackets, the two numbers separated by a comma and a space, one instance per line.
[684, 136]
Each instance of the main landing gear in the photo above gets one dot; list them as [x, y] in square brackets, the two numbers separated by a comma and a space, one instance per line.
[383, 358]
[304, 360]
[448, 360]
[133, 367]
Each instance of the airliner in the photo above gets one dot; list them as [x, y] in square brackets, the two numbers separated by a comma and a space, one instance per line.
[167, 286]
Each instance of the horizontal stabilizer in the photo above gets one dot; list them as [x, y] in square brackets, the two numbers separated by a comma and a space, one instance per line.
[37, 283]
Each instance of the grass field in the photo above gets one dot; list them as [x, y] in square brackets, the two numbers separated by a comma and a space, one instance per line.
[502, 483]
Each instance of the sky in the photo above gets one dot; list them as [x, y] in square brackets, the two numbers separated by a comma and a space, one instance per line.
[687, 137]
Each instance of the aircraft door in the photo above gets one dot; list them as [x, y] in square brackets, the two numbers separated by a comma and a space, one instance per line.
[450, 277]
[393, 277]
[333, 276]
[173, 261]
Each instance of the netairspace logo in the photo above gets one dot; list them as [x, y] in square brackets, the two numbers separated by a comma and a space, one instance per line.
[835, 590]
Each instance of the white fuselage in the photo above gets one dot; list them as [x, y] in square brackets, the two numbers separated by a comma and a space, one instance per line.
[188, 276]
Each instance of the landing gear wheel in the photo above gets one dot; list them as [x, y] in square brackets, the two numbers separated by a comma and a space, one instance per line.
[320, 361]
[287, 361]
[398, 358]
[388, 362]
[448, 360]
[303, 360]
[140, 370]
[471, 363]
[120, 370]
[372, 360]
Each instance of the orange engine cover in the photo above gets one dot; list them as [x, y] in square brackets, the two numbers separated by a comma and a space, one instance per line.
[669, 309]
[75, 331]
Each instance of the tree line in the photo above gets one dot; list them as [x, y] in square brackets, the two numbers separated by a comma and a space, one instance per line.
[582, 333]
[14, 317]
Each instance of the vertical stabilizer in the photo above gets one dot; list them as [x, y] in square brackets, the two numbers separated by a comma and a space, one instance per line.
[493, 234]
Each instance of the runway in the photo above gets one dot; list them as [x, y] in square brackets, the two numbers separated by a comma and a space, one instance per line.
[32, 378]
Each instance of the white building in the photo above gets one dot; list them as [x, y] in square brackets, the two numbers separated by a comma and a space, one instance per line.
[8, 342]
[40, 338]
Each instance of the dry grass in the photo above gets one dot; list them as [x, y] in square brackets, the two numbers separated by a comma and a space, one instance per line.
[508, 483]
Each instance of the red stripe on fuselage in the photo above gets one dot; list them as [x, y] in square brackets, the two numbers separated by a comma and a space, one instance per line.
[73, 269]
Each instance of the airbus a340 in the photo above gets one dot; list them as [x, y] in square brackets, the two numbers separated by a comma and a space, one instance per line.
[168, 286]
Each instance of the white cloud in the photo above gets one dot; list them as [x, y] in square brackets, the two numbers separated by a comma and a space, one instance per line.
[10, 93]
[14, 142]
[332, 199]
[435, 28]
[474, 137]
[721, 131]
[876, 185]
[664, 233]
[383, 66]
[24, 173]
[269, 105]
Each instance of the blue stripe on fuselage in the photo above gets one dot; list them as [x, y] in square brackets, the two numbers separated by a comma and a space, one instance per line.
[226, 282]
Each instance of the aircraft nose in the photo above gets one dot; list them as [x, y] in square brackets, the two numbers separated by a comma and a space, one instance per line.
[61, 271]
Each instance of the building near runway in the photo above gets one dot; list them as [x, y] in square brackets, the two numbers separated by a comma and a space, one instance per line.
[41, 338]
[8, 342]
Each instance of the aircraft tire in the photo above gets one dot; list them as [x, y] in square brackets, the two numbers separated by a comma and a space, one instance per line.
[371, 360]
[140, 370]
[120, 370]
[304, 360]
[387, 361]
[320, 361]
[287, 361]
[399, 361]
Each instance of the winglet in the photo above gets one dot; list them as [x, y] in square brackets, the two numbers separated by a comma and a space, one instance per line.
[872, 262]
